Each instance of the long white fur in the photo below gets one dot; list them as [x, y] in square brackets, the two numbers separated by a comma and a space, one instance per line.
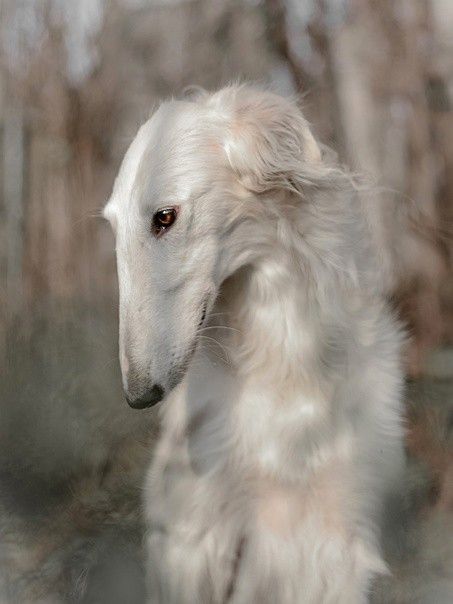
[282, 440]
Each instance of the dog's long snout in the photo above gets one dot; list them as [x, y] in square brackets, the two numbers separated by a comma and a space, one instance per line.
[147, 399]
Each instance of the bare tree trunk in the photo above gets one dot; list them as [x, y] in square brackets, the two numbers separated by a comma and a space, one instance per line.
[13, 152]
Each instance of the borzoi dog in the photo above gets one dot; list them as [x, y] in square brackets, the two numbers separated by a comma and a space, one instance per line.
[250, 304]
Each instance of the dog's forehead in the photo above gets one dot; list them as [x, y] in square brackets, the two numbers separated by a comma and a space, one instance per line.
[127, 174]
[178, 152]
[170, 151]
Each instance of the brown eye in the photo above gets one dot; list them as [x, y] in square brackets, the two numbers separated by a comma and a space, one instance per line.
[163, 219]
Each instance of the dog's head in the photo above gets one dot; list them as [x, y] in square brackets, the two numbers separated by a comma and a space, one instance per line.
[186, 210]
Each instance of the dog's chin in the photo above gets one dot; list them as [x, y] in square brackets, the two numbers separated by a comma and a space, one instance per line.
[177, 374]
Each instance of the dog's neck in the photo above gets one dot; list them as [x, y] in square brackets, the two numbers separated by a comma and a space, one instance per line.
[273, 319]
[263, 369]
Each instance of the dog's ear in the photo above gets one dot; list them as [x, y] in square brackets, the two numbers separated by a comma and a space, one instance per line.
[269, 144]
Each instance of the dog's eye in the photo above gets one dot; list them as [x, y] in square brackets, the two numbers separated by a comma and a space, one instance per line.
[163, 219]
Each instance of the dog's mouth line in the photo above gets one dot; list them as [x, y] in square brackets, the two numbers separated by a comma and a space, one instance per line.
[204, 310]
[183, 368]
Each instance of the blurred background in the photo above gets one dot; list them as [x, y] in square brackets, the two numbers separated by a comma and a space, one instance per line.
[374, 78]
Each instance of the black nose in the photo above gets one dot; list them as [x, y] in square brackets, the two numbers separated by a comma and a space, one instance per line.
[147, 399]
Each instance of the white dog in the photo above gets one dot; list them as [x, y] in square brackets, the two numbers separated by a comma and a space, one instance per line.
[250, 301]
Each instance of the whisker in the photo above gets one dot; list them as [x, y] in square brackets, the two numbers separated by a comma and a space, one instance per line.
[197, 362]
[221, 346]
[220, 327]
[89, 214]
[219, 314]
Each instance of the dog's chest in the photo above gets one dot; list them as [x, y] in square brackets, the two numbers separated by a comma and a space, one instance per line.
[230, 418]
[276, 427]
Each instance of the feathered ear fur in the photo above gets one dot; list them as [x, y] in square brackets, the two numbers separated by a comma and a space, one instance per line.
[268, 142]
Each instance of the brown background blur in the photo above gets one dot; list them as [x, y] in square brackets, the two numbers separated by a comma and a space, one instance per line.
[77, 78]
[375, 79]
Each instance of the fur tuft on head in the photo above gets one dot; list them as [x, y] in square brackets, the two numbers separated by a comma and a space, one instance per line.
[268, 141]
